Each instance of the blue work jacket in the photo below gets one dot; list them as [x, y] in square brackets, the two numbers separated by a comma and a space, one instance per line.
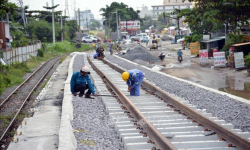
[77, 79]
[135, 77]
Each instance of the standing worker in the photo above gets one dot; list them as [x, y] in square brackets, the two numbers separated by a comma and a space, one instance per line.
[80, 81]
[134, 79]
[111, 47]
[231, 60]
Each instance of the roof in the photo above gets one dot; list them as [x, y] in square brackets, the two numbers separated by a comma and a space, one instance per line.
[213, 40]
[241, 44]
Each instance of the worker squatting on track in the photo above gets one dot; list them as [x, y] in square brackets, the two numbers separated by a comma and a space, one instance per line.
[134, 79]
[80, 81]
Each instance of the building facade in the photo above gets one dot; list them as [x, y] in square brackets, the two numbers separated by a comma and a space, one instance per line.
[169, 6]
[86, 18]
[145, 12]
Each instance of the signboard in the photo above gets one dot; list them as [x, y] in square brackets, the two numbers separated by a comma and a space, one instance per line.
[219, 59]
[131, 25]
[239, 60]
[194, 48]
[203, 55]
[206, 37]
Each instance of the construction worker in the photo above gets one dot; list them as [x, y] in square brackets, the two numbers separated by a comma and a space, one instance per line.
[134, 79]
[80, 81]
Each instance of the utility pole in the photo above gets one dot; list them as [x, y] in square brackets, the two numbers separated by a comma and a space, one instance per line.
[118, 34]
[53, 23]
[61, 28]
[80, 33]
[109, 31]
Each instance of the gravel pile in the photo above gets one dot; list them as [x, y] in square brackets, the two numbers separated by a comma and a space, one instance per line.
[221, 106]
[94, 129]
[139, 52]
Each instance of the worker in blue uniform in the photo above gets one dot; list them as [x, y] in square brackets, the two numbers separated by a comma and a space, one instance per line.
[134, 79]
[80, 81]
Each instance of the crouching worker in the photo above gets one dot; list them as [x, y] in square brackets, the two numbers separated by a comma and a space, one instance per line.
[80, 81]
[134, 79]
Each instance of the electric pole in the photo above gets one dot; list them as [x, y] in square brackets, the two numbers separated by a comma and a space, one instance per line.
[61, 28]
[80, 33]
[53, 23]
[118, 34]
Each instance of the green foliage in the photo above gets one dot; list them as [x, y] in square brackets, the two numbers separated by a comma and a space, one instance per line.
[40, 53]
[193, 38]
[7, 7]
[94, 25]
[247, 60]
[125, 12]
[233, 39]
[233, 12]
[12, 75]
[72, 24]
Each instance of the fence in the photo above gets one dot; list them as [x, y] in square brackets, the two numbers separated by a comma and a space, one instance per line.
[21, 54]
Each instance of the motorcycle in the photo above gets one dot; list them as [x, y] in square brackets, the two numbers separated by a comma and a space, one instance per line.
[180, 59]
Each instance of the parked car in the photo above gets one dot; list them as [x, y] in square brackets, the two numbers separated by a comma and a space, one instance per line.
[138, 36]
[88, 40]
[179, 41]
[144, 39]
[166, 37]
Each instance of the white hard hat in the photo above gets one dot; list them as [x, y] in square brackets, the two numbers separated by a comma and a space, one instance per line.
[85, 69]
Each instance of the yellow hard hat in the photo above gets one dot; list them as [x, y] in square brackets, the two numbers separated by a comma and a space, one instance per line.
[93, 45]
[125, 76]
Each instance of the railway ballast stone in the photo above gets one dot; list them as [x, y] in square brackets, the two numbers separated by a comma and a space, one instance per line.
[218, 105]
[94, 129]
[138, 53]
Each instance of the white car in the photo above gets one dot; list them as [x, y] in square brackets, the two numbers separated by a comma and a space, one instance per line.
[88, 40]
[179, 41]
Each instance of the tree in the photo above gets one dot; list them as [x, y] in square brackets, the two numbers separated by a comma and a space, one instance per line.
[72, 24]
[94, 25]
[232, 12]
[7, 7]
[125, 12]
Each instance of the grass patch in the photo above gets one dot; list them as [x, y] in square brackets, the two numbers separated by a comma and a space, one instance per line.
[13, 74]
[62, 59]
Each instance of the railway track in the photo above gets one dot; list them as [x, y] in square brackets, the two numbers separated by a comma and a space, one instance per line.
[12, 106]
[159, 120]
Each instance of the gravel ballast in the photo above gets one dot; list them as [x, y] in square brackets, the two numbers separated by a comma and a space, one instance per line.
[94, 129]
[139, 53]
[218, 105]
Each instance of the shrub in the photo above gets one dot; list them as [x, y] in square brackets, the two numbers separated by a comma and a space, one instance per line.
[40, 53]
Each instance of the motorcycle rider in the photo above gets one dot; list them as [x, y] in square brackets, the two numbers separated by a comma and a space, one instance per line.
[179, 53]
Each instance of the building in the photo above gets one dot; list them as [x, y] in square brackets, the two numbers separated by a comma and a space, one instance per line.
[5, 36]
[169, 6]
[86, 18]
[145, 12]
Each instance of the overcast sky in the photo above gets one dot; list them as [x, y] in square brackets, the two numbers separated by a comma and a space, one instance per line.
[93, 5]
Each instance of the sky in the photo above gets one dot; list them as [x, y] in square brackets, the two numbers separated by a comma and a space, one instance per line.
[93, 5]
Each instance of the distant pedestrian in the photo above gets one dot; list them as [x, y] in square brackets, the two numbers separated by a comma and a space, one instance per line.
[134, 79]
[111, 47]
[80, 81]
[231, 60]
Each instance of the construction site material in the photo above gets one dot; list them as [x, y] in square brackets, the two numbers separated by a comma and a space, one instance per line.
[95, 126]
[138, 52]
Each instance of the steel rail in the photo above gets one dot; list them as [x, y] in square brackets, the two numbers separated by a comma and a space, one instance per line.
[232, 137]
[19, 110]
[6, 99]
[160, 140]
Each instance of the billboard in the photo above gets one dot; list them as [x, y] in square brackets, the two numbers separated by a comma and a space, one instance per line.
[203, 55]
[131, 25]
[194, 48]
[239, 60]
[219, 59]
